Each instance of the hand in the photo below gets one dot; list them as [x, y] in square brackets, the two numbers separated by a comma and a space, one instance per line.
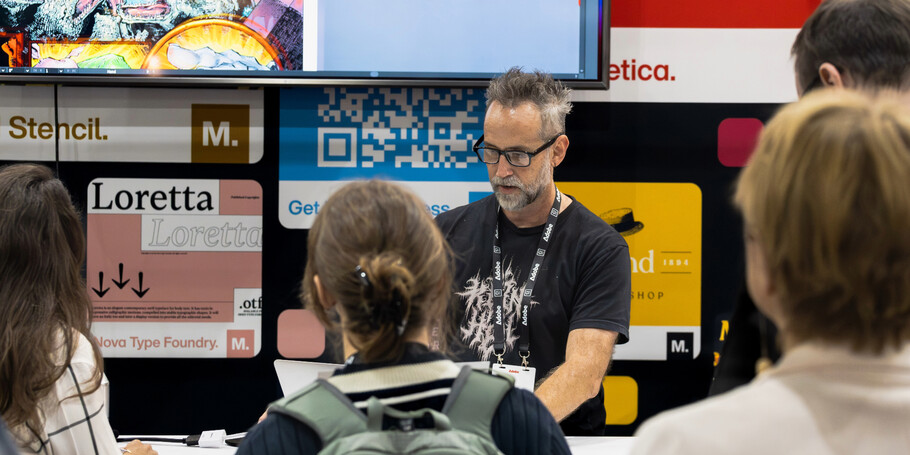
[136, 447]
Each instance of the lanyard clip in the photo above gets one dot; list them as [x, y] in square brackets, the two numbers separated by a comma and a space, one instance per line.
[499, 356]
[524, 357]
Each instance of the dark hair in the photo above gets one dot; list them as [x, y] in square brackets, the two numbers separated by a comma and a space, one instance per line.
[549, 96]
[868, 40]
[378, 252]
[43, 299]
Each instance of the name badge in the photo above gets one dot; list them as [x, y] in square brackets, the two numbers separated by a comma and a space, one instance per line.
[524, 376]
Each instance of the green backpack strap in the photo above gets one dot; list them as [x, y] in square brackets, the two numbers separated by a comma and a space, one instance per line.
[376, 411]
[474, 399]
[323, 408]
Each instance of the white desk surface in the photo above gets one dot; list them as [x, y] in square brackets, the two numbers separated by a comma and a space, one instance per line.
[607, 445]
[603, 445]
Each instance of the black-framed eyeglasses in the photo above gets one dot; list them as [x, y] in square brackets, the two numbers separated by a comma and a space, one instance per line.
[517, 158]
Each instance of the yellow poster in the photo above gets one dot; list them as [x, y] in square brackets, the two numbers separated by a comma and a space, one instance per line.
[661, 222]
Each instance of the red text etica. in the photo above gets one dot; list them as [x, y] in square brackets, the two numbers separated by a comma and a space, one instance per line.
[632, 71]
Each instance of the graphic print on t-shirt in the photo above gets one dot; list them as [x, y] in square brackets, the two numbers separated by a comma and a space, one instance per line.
[476, 329]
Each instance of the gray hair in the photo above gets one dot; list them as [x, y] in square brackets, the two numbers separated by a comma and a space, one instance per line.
[550, 96]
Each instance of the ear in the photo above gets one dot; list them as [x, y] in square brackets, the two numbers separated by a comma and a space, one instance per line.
[830, 76]
[559, 150]
[326, 299]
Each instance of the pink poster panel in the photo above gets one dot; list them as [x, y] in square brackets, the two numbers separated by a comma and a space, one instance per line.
[175, 267]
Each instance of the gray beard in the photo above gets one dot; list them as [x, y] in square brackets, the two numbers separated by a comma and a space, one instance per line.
[526, 193]
[518, 201]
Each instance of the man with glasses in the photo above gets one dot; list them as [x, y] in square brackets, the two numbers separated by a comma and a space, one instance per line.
[543, 283]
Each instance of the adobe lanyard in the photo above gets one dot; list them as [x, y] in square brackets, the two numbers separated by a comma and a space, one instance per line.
[499, 333]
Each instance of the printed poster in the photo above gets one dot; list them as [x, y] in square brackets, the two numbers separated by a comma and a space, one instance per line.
[159, 125]
[26, 111]
[661, 222]
[120, 124]
[421, 138]
[175, 267]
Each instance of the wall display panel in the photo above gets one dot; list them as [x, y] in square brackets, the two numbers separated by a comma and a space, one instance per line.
[662, 144]
[43, 123]
[27, 123]
[297, 41]
[175, 266]
[157, 125]
[685, 65]
[661, 222]
[421, 137]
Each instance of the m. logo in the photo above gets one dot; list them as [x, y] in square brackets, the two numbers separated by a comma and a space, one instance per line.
[221, 133]
[217, 136]
[240, 343]
[680, 346]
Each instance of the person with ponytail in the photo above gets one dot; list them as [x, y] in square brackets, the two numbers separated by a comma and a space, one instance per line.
[53, 390]
[380, 273]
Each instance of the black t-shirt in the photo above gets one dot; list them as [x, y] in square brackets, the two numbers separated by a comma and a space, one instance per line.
[584, 282]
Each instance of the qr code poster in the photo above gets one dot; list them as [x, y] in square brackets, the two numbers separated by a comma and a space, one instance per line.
[419, 137]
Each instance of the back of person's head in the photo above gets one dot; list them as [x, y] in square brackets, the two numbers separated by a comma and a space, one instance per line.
[378, 252]
[549, 96]
[825, 196]
[43, 300]
[868, 40]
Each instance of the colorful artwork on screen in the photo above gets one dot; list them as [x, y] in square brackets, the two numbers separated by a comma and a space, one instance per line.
[260, 35]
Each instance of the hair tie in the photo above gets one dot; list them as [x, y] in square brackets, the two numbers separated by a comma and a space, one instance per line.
[364, 280]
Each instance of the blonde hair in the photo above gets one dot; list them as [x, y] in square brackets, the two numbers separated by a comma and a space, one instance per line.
[826, 193]
[383, 231]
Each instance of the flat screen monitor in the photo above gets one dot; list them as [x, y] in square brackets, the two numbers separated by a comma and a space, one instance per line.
[265, 42]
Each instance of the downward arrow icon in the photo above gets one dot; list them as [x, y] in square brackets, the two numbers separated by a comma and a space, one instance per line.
[101, 285]
[120, 284]
[140, 292]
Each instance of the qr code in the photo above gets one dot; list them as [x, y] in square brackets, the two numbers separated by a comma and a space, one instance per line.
[409, 128]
